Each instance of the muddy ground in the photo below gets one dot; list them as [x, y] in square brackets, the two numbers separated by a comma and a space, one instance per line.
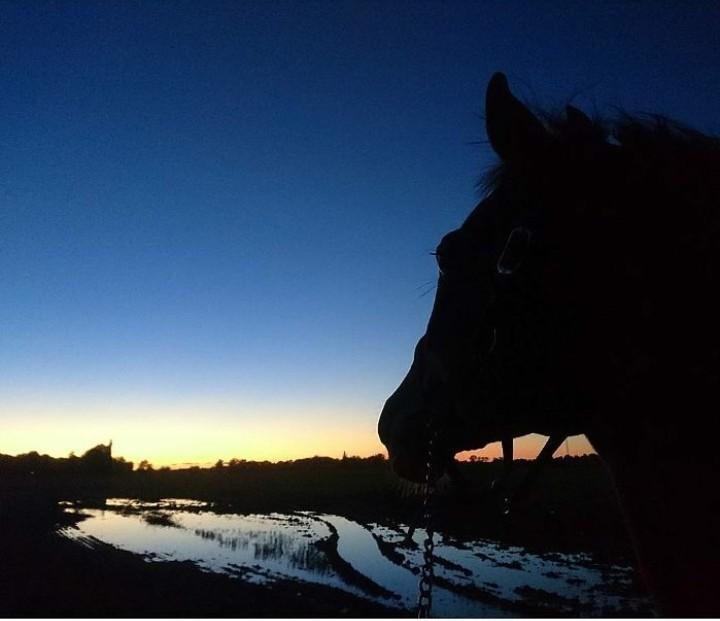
[43, 574]
[573, 509]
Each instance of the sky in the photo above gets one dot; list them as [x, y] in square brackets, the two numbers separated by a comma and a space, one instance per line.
[216, 217]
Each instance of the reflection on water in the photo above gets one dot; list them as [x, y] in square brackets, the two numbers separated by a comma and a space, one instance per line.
[478, 578]
[271, 546]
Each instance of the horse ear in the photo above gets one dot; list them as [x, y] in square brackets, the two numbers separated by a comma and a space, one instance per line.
[512, 129]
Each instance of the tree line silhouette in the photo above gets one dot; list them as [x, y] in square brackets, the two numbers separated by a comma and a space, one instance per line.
[574, 506]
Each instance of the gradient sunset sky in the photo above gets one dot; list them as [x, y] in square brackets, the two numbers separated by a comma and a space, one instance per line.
[216, 218]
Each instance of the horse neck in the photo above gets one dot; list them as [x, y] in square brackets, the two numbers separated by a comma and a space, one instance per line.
[662, 455]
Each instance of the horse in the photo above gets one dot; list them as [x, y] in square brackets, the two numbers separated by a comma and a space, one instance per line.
[579, 297]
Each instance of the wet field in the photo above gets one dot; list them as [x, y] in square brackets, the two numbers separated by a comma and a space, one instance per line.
[373, 562]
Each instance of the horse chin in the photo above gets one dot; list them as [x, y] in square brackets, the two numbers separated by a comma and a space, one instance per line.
[408, 470]
[413, 468]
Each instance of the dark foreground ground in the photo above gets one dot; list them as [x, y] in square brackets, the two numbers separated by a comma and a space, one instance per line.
[45, 575]
[42, 574]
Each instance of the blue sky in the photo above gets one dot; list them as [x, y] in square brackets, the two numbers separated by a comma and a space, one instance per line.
[215, 218]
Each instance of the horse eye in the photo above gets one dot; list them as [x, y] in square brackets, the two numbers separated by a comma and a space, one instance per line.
[515, 250]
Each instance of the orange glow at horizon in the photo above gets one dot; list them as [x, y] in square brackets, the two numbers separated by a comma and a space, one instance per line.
[528, 447]
[204, 431]
[176, 443]
[167, 437]
[187, 444]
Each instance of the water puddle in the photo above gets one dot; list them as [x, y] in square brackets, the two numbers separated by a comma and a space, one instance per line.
[478, 578]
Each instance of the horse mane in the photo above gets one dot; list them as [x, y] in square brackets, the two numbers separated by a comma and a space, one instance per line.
[680, 156]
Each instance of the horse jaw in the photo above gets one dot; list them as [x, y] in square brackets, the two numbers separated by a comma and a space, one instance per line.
[405, 428]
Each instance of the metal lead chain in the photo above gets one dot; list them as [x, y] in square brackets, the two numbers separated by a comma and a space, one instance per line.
[427, 571]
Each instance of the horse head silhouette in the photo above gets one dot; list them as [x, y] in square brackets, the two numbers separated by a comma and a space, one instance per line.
[579, 297]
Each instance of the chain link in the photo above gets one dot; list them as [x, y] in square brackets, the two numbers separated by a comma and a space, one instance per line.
[427, 571]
